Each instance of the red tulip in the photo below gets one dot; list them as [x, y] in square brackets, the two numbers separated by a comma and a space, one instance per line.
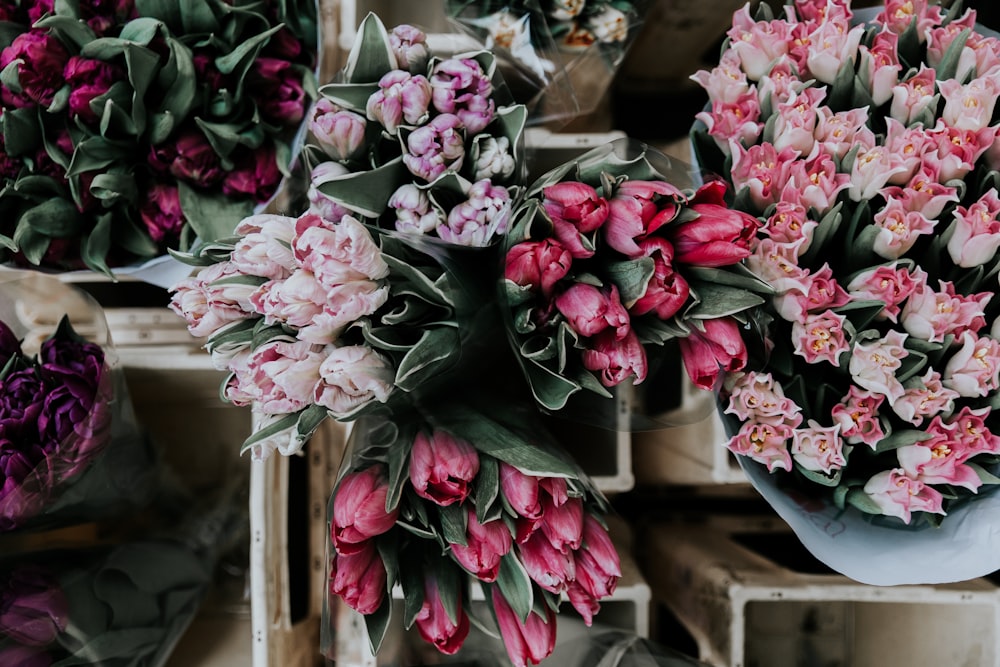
[529, 642]
[719, 236]
[598, 569]
[442, 467]
[485, 545]
[359, 578]
[359, 510]
[575, 209]
[563, 525]
[434, 624]
[591, 310]
[720, 345]
[547, 566]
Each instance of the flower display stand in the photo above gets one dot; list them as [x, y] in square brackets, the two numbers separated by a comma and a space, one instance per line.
[749, 594]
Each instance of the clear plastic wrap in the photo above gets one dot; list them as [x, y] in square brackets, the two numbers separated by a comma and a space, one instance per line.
[70, 446]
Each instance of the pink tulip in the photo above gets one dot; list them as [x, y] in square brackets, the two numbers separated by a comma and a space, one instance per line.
[574, 209]
[485, 544]
[719, 347]
[359, 512]
[520, 491]
[340, 133]
[442, 467]
[409, 45]
[547, 566]
[460, 86]
[591, 310]
[359, 578]
[538, 265]
[563, 525]
[637, 210]
[598, 569]
[527, 643]
[898, 495]
[40, 70]
[667, 291]
[719, 236]
[401, 98]
[436, 147]
[434, 624]
[616, 359]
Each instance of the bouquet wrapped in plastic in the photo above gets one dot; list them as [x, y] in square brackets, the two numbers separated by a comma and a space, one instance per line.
[131, 128]
[562, 53]
[120, 605]
[866, 144]
[70, 448]
[460, 495]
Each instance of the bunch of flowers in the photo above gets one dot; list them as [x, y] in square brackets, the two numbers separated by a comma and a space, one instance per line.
[566, 50]
[869, 152]
[55, 419]
[418, 144]
[133, 128]
[506, 510]
[609, 258]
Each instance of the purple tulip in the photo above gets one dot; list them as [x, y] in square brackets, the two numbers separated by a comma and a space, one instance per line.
[104, 15]
[400, 97]
[38, 9]
[21, 395]
[88, 79]
[461, 87]
[33, 608]
[414, 212]
[280, 96]
[255, 174]
[18, 655]
[161, 212]
[72, 357]
[435, 147]
[40, 72]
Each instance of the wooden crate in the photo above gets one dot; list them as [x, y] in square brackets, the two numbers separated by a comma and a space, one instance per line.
[750, 595]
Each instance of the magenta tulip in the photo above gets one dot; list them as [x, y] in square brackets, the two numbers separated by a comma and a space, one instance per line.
[575, 209]
[359, 510]
[667, 291]
[527, 643]
[442, 467]
[520, 491]
[434, 624]
[538, 265]
[591, 310]
[33, 608]
[547, 566]
[719, 346]
[637, 210]
[598, 569]
[563, 525]
[42, 58]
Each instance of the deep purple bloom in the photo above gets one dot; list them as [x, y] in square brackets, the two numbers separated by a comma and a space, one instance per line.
[189, 158]
[280, 95]
[18, 655]
[255, 174]
[73, 357]
[161, 212]
[88, 79]
[21, 396]
[40, 71]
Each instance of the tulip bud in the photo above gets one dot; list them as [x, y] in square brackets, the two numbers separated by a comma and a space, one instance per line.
[359, 510]
[520, 491]
[34, 610]
[563, 525]
[435, 147]
[538, 264]
[414, 212]
[575, 209]
[491, 157]
[667, 291]
[400, 97]
[598, 569]
[720, 345]
[616, 359]
[547, 566]
[320, 204]
[485, 545]
[638, 209]
[460, 86]
[339, 132]
[442, 467]
[409, 45]
[527, 643]
[719, 236]
[434, 624]
[591, 310]
[359, 578]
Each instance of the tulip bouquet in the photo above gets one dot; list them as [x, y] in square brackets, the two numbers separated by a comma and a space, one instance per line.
[614, 254]
[130, 128]
[867, 146]
[69, 447]
[468, 495]
[114, 606]
[422, 145]
[567, 51]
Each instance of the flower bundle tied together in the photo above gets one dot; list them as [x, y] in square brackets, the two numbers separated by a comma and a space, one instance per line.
[133, 128]
[466, 497]
[608, 259]
[417, 144]
[869, 152]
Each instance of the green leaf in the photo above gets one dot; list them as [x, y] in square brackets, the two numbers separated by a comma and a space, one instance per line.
[398, 471]
[96, 244]
[631, 277]
[371, 55]
[948, 67]
[901, 438]
[31, 243]
[21, 131]
[549, 388]
[424, 359]
[861, 500]
[841, 92]
[453, 524]
[110, 187]
[487, 487]
[377, 623]
[309, 420]
[142, 30]
[180, 89]
[225, 137]
[55, 218]
[985, 476]
[366, 192]
[820, 478]
[449, 583]
[515, 584]
[352, 96]
[412, 580]
[286, 422]
[714, 301]
[212, 216]
[238, 62]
